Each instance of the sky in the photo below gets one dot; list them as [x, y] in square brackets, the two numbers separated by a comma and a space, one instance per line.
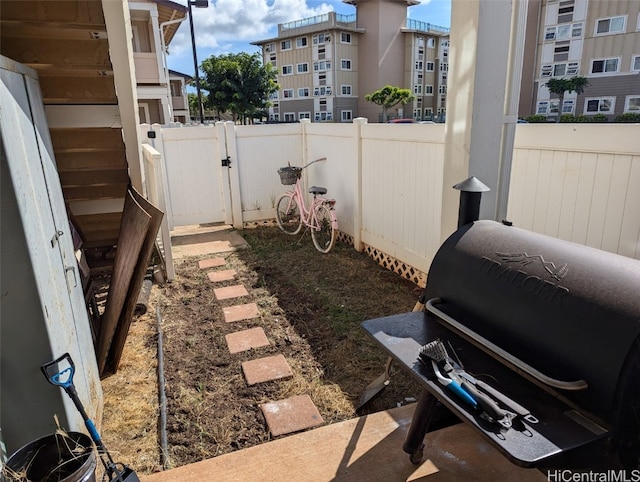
[229, 26]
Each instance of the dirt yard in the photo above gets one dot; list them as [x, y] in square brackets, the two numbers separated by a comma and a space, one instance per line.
[311, 306]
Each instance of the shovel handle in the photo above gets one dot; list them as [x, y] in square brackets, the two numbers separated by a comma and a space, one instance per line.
[60, 377]
[59, 372]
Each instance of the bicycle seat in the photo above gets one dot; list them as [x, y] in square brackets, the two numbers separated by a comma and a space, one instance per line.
[317, 190]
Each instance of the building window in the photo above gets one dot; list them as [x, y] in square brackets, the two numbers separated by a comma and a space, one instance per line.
[345, 89]
[561, 51]
[346, 116]
[303, 92]
[345, 64]
[301, 42]
[431, 43]
[444, 67]
[287, 93]
[345, 38]
[576, 30]
[632, 104]
[303, 68]
[604, 66]
[272, 59]
[287, 69]
[270, 47]
[321, 38]
[322, 65]
[442, 89]
[322, 91]
[428, 113]
[611, 25]
[565, 11]
[431, 66]
[563, 32]
[546, 107]
[323, 116]
[419, 65]
[635, 63]
[417, 89]
[560, 69]
[304, 115]
[599, 105]
[568, 106]
[273, 95]
[428, 89]
[285, 45]
[289, 117]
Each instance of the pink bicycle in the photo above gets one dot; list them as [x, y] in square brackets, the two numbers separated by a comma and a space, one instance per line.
[292, 212]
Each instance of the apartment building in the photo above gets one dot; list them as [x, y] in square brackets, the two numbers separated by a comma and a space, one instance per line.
[162, 96]
[328, 63]
[599, 40]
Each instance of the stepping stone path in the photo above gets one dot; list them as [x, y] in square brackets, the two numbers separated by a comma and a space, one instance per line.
[282, 416]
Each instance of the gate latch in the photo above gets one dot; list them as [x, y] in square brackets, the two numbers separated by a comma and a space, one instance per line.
[226, 162]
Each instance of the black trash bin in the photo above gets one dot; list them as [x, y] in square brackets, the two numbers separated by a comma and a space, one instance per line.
[56, 457]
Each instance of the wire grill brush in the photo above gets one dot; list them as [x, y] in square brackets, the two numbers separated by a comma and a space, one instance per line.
[436, 352]
[433, 352]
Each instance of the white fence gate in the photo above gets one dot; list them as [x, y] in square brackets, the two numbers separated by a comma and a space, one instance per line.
[197, 183]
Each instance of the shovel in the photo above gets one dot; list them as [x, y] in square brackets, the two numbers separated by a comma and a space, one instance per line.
[60, 372]
[379, 384]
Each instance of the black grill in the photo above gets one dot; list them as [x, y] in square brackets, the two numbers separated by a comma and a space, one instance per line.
[553, 325]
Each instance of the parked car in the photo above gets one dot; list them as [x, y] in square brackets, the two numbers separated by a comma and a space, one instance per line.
[401, 121]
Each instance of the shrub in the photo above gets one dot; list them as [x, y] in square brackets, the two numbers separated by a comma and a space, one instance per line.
[568, 118]
[533, 119]
[599, 118]
[628, 117]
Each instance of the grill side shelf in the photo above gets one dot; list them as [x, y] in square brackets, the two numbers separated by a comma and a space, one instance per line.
[502, 355]
[525, 444]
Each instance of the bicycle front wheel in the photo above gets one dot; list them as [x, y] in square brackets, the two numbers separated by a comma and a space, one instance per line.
[323, 233]
[288, 214]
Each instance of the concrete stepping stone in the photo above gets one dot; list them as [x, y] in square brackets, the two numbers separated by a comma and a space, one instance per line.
[266, 369]
[224, 275]
[228, 292]
[240, 312]
[246, 340]
[211, 263]
[291, 415]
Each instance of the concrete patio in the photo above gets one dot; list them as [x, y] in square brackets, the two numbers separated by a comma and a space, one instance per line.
[368, 448]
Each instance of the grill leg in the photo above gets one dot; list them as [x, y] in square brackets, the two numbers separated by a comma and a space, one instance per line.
[414, 443]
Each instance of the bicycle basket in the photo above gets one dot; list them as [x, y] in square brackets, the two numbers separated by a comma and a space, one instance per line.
[289, 175]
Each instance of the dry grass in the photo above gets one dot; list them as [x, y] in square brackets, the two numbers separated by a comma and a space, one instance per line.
[130, 419]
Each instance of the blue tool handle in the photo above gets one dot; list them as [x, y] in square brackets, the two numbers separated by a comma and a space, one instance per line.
[93, 431]
[458, 390]
[485, 402]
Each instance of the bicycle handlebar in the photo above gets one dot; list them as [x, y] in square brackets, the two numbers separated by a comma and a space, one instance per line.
[307, 165]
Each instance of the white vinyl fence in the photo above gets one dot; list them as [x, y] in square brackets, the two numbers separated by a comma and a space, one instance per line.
[575, 182]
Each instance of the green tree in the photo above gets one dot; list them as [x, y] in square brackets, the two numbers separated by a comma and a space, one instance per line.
[560, 86]
[194, 112]
[238, 83]
[389, 96]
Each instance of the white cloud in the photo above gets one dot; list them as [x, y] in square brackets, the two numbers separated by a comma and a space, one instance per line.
[227, 21]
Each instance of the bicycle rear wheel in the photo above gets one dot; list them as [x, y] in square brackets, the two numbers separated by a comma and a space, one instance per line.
[325, 237]
[288, 214]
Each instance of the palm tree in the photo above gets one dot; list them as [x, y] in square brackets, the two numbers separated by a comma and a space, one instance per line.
[560, 86]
